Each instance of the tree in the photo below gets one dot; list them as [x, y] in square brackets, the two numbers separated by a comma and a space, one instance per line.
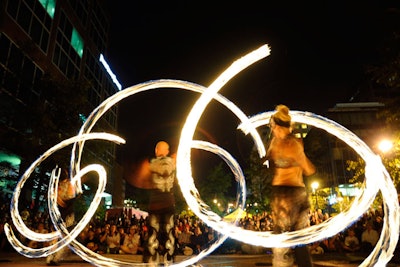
[54, 116]
[258, 181]
[216, 185]
[384, 79]
[259, 175]
[47, 119]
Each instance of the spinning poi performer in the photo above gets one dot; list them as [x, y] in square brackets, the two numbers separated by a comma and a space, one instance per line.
[161, 240]
[65, 200]
[290, 204]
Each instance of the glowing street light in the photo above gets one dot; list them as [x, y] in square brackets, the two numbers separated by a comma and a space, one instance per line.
[385, 145]
[314, 186]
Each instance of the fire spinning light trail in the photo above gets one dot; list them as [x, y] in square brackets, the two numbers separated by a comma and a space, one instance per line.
[377, 179]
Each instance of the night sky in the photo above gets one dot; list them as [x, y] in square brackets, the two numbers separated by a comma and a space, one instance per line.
[318, 55]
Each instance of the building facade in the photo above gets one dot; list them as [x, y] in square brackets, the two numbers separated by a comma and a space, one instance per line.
[57, 40]
[361, 118]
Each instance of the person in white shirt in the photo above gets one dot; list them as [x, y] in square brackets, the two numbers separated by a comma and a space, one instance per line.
[351, 242]
[369, 238]
[132, 243]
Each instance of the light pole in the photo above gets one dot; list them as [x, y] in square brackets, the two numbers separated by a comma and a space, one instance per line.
[314, 187]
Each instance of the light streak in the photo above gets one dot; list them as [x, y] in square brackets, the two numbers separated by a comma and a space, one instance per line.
[18, 222]
[377, 179]
[110, 72]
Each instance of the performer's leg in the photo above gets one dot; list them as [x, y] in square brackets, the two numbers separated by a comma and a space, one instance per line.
[281, 206]
[170, 238]
[302, 252]
[61, 254]
[303, 257]
[50, 260]
[282, 257]
[151, 250]
[55, 258]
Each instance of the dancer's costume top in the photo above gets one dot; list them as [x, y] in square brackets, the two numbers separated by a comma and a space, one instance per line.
[163, 178]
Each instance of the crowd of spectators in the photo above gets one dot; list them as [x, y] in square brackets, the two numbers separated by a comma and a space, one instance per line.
[128, 236]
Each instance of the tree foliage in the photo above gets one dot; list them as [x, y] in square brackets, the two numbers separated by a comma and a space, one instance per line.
[384, 77]
[55, 115]
[216, 185]
[258, 181]
[42, 122]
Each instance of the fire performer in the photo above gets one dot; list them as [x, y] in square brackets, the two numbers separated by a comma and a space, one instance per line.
[161, 240]
[290, 205]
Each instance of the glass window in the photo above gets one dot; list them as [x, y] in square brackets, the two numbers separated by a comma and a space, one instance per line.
[24, 17]
[15, 60]
[4, 48]
[12, 8]
[77, 42]
[2, 75]
[50, 6]
[44, 41]
[28, 71]
[10, 83]
[36, 30]
[24, 92]
[36, 81]
[63, 62]
[40, 12]
[30, 3]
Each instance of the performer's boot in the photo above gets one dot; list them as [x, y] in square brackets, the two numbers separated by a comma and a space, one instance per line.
[303, 257]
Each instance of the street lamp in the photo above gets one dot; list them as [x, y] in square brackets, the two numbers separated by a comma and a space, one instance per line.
[385, 145]
[314, 187]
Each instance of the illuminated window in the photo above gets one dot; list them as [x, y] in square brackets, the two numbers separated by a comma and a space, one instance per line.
[77, 42]
[14, 160]
[50, 6]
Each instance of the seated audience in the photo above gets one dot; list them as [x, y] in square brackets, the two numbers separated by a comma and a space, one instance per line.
[132, 242]
[351, 242]
[369, 238]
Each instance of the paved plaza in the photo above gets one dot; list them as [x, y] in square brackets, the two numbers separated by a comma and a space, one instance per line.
[13, 259]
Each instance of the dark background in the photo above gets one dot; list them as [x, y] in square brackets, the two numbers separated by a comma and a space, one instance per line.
[318, 54]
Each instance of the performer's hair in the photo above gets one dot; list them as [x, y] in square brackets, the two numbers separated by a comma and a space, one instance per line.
[281, 116]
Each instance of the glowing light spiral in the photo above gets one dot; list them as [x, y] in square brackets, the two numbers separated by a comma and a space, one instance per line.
[377, 179]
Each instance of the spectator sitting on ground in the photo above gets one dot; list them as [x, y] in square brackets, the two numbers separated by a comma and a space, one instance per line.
[332, 244]
[197, 240]
[100, 233]
[184, 239]
[92, 241]
[369, 238]
[316, 249]
[351, 242]
[122, 234]
[132, 244]
[113, 239]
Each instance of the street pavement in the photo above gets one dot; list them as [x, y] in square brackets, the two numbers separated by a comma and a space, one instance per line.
[13, 259]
